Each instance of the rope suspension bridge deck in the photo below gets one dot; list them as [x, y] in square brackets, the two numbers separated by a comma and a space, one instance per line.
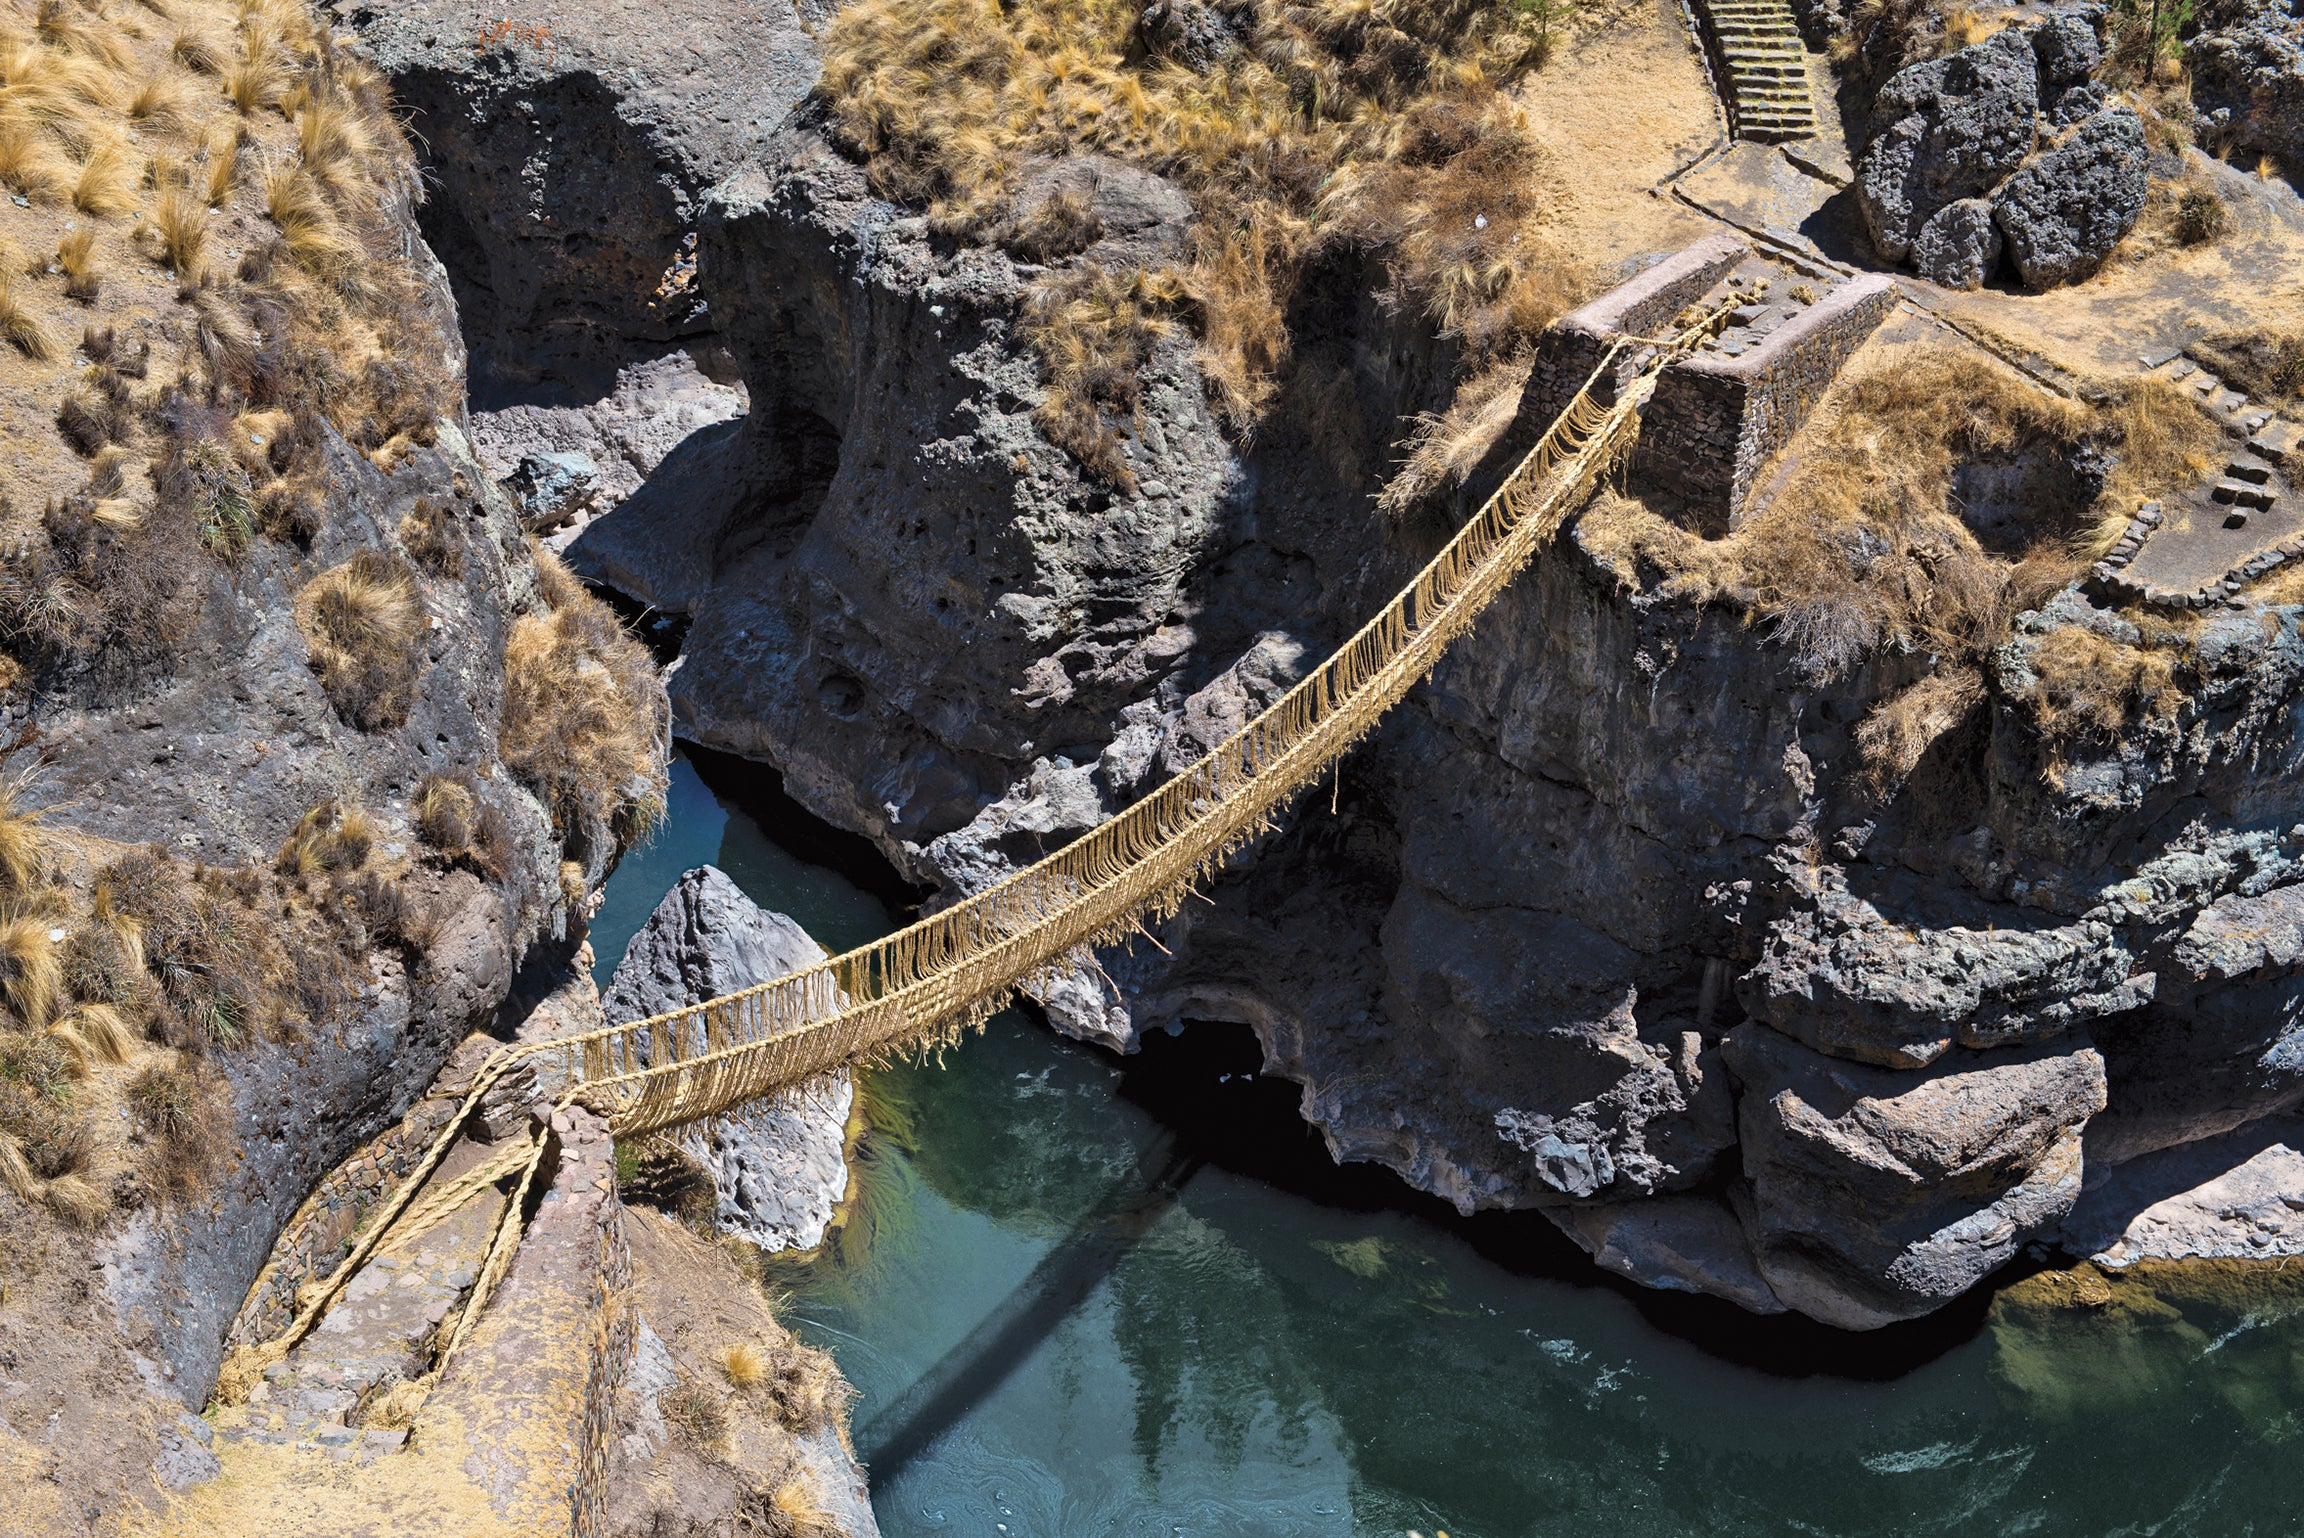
[921, 987]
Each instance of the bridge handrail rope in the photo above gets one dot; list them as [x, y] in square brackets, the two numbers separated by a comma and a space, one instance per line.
[927, 983]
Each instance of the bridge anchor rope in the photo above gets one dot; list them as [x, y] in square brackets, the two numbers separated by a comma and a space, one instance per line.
[924, 985]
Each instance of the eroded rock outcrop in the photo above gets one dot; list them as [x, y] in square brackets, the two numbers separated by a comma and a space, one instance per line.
[1879, 1196]
[2248, 64]
[1950, 178]
[2063, 213]
[778, 1167]
[1953, 128]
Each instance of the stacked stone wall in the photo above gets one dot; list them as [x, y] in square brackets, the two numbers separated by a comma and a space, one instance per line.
[316, 1238]
[1715, 421]
[1573, 346]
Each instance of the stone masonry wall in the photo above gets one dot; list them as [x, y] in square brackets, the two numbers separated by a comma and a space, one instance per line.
[1571, 348]
[1716, 420]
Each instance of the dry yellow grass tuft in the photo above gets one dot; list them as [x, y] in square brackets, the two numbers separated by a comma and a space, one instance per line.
[180, 228]
[106, 185]
[19, 326]
[744, 1365]
[584, 722]
[83, 271]
[31, 973]
[360, 621]
[1444, 449]
[1866, 551]
[1325, 127]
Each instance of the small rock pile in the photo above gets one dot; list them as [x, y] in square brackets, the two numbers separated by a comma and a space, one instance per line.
[1957, 178]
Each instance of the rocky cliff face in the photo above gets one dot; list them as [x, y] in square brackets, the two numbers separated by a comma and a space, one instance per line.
[294, 874]
[1606, 920]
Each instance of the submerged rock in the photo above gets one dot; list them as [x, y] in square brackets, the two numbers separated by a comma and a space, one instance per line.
[778, 1167]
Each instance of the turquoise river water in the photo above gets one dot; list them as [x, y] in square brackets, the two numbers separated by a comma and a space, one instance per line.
[1085, 1296]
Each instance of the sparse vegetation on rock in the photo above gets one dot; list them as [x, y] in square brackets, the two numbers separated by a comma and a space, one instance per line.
[1295, 131]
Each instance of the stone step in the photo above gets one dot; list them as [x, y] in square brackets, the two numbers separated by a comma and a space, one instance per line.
[2242, 470]
[2277, 441]
[2244, 494]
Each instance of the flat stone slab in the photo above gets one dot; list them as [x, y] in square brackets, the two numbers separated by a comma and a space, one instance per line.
[2239, 1195]
[1755, 187]
[1825, 159]
[2277, 441]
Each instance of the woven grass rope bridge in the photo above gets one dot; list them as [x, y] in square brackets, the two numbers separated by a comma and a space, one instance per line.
[921, 987]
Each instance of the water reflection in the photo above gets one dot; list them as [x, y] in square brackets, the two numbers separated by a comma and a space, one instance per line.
[1074, 1308]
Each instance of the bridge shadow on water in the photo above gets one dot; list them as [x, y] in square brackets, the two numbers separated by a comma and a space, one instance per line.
[1064, 1280]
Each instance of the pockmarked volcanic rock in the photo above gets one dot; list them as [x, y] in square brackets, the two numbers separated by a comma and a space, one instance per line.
[1878, 1195]
[2063, 213]
[2248, 62]
[1960, 246]
[2069, 53]
[1956, 126]
[778, 1167]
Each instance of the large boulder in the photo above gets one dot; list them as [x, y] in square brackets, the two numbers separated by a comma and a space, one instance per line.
[2063, 213]
[1877, 1195]
[778, 1167]
[1960, 246]
[2248, 63]
[1955, 126]
[2068, 53]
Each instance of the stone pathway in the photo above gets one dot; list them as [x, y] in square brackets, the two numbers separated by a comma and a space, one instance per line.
[1764, 68]
[374, 1335]
[2243, 523]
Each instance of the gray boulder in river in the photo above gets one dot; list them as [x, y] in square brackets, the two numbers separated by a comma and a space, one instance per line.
[778, 1167]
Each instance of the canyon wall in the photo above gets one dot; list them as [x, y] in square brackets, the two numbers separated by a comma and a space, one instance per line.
[1605, 920]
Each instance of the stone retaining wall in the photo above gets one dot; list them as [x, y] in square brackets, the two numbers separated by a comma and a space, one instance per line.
[2108, 581]
[1571, 348]
[315, 1241]
[1715, 420]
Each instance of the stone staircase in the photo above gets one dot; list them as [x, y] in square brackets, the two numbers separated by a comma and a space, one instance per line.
[1760, 62]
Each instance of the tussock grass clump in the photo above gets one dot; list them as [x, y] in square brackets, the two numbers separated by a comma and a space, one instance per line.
[44, 1144]
[83, 269]
[696, 1415]
[806, 1388]
[795, 1510]
[333, 836]
[427, 533]
[584, 725]
[180, 231]
[106, 184]
[183, 1114]
[465, 829]
[1443, 449]
[27, 165]
[95, 1035]
[219, 969]
[31, 975]
[20, 324]
[1866, 550]
[744, 1365]
[361, 620]
[1375, 126]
